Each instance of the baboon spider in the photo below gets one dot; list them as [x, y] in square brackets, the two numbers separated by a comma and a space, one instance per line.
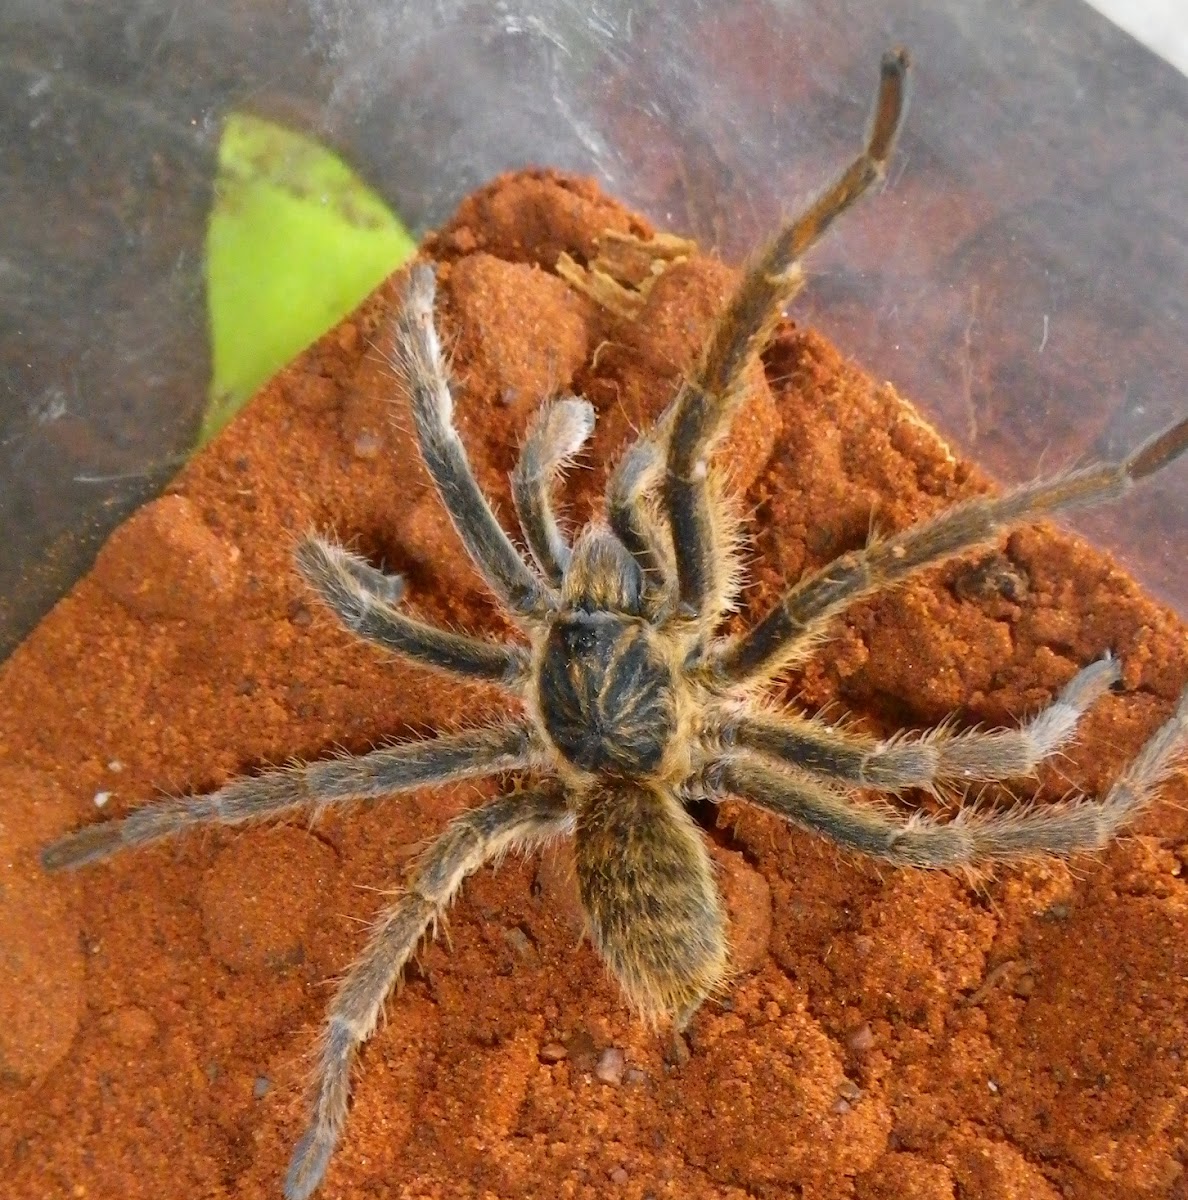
[633, 707]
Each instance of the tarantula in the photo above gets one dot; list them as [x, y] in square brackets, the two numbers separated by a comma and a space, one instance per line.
[633, 707]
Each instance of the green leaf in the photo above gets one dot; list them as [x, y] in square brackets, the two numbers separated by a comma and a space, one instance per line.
[296, 240]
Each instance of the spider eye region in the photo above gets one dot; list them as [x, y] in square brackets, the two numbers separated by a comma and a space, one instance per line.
[605, 694]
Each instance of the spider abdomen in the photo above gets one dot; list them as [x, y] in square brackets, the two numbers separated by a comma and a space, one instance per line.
[605, 694]
[651, 904]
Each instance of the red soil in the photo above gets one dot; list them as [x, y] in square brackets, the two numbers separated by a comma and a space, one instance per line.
[891, 1033]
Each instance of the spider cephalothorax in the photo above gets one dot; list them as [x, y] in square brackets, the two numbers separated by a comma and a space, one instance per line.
[604, 688]
[633, 706]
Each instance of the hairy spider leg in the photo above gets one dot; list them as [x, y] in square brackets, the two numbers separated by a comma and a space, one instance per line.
[633, 517]
[525, 821]
[790, 630]
[364, 600]
[932, 759]
[706, 403]
[557, 432]
[382, 773]
[379, 584]
[419, 359]
[971, 837]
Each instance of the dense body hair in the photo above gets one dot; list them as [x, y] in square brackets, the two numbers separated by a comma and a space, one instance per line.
[647, 887]
[605, 695]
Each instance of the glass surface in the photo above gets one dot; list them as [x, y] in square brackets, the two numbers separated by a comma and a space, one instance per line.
[1023, 277]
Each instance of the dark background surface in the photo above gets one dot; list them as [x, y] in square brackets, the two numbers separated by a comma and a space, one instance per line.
[1023, 277]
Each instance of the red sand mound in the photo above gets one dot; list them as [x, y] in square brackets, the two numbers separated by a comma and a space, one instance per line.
[892, 1033]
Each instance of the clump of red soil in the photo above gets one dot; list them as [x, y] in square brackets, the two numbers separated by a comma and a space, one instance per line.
[890, 1033]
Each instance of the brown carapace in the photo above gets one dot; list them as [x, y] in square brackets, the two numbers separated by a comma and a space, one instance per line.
[633, 707]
